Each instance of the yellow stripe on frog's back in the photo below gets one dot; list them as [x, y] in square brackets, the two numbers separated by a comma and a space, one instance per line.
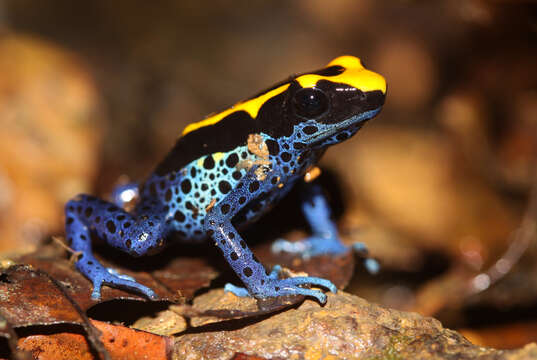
[354, 75]
[251, 107]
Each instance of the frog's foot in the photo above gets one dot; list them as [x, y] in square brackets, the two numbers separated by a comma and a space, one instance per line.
[100, 275]
[274, 287]
[324, 245]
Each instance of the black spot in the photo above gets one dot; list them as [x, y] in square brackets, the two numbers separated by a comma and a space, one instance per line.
[208, 163]
[211, 176]
[224, 187]
[151, 224]
[254, 186]
[231, 235]
[168, 195]
[210, 232]
[242, 200]
[112, 208]
[224, 171]
[285, 156]
[274, 180]
[126, 225]
[83, 237]
[243, 244]
[128, 243]
[247, 271]
[88, 211]
[193, 171]
[204, 187]
[120, 217]
[79, 209]
[179, 216]
[342, 136]
[232, 160]
[310, 130]
[186, 186]
[213, 192]
[171, 176]
[225, 208]
[244, 155]
[272, 146]
[111, 226]
[299, 145]
[236, 175]
[162, 184]
[285, 169]
[97, 219]
[276, 288]
[69, 220]
[233, 256]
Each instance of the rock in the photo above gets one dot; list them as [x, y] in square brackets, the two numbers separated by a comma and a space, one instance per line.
[347, 327]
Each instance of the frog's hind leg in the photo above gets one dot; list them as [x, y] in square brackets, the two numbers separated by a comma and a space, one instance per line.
[325, 238]
[85, 215]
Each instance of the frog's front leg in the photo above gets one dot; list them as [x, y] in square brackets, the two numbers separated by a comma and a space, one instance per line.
[241, 259]
[136, 235]
[325, 238]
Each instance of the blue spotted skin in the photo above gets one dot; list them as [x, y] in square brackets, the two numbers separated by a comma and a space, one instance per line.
[196, 191]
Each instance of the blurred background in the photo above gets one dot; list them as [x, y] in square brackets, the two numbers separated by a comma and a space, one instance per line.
[441, 186]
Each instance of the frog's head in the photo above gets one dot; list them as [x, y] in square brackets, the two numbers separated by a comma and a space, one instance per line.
[324, 107]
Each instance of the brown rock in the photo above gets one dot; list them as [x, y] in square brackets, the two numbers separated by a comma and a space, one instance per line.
[347, 327]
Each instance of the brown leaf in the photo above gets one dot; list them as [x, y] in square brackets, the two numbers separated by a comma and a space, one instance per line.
[177, 281]
[120, 342]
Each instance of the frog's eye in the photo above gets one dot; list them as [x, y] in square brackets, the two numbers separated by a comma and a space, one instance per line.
[310, 103]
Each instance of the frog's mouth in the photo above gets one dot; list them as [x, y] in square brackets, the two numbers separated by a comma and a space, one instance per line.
[344, 129]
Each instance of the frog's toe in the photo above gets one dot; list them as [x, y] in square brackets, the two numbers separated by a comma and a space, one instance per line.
[372, 266]
[112, 278]
[274, 274]
[236, 290]
[294, 286]
[311, 281]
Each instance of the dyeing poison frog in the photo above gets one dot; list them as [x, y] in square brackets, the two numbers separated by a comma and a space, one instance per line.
[228, 170]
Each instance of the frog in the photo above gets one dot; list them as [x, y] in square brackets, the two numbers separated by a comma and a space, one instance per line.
[226, 171]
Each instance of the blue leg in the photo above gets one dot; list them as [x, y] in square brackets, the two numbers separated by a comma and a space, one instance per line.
[324, 239]
[85, 215]
[240, 257]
